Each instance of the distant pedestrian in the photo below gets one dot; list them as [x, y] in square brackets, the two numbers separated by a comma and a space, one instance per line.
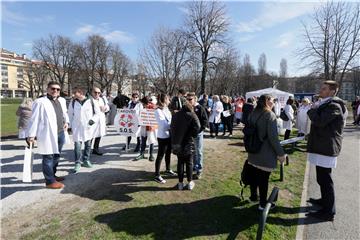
[215, 116]
[302, 119]
[48, 123]
[100, 126]
[163, 118]
[83, 114]
[200, 112]
[24, 114]
[137, 106]
[324, 145]
[247, 109]
[289, 111]
[148, 134]
[184, 128]
[178, 101]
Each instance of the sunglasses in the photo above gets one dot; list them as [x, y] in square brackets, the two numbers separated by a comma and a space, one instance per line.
[97, 92]
[189, 99]
[55, 89]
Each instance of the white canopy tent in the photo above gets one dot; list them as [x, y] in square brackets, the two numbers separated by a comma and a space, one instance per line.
[276, 93]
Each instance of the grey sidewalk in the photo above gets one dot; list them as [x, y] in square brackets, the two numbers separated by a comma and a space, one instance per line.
[347, 193]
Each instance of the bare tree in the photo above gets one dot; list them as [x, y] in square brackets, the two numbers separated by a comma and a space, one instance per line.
[206, 24]
[333, 40]
[262, 64]
[120, 72]
[164, 57]
[247, 74]
[57, 54]
[38, 76]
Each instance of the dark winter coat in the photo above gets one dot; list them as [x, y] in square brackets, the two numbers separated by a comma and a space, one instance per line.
[184, 128]
[202, 116]
[327, 124]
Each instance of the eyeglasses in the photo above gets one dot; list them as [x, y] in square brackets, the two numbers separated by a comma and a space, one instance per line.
[57, 89]
[97, 92]
[189, 99]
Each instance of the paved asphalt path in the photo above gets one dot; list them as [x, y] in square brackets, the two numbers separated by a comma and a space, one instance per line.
[347, 193]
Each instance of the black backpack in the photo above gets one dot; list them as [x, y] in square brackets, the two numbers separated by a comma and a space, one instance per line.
[252, 142]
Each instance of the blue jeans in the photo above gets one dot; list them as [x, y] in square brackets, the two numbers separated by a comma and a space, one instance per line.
[198, 156]
[51, 161]
[86, 154]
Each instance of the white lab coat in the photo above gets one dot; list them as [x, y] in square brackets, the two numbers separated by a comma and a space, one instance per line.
[79, 117]
[163, 118]
[302, 119]
[43, 125]
[289, 111]
[100, 128]
[216, 110]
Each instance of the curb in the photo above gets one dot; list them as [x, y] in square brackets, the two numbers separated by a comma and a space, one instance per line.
[301, 226]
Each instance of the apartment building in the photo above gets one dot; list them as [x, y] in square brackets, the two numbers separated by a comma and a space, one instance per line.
[13, 74]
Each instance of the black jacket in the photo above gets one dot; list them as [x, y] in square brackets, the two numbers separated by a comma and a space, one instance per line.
[247, 109]
[327, 124]
[184, 128]
[202, 116]
[175, 104]
[121, 101]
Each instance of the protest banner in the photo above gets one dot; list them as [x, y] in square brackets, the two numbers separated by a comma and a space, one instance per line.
[126, 122]
[147, 117]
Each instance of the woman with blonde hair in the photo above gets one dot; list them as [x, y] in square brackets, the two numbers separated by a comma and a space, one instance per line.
[24, 114]
[215, 116]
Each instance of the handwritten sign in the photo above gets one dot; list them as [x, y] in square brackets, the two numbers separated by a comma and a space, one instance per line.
[126, 122]
[147, 117]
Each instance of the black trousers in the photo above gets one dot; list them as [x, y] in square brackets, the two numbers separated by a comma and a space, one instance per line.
[287, 134]
[164, 149]
[137, 142]
[324, 179]
[228, 124]
[214, 128]
[261, 181]
[186, 160]
[143, 146]
[97, 143]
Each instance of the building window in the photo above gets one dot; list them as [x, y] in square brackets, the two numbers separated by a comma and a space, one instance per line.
[5, 85]
[4, 67]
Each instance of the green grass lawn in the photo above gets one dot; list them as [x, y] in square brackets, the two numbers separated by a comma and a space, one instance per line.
[147, 210]
[8, 119]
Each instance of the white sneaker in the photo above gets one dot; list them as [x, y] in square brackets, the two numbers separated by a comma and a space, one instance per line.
[180, 186]
[159, 179]
[191, 185]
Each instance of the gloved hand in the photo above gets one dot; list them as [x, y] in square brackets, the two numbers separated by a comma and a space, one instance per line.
[91, 122]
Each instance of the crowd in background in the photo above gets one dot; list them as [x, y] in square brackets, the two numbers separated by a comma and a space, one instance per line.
[181, 123]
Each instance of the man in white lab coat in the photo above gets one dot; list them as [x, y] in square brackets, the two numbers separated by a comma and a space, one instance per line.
[83, 114]
[48, 123]
[100, 127]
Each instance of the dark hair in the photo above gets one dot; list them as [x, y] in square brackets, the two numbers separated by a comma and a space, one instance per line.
[161, 100]
[250, 100]
[78, 89]
[290, 101]
[53, 83]
[334, 86]
[182, 91]
[134, 94]
[261, 103]
[145, 100]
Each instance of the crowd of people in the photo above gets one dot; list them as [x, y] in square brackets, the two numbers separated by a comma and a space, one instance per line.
[181, 123]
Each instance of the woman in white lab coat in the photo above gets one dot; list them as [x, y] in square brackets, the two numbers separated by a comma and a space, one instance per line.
[302, 119]
[289, 111]
[215, 116]
[83, 114]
